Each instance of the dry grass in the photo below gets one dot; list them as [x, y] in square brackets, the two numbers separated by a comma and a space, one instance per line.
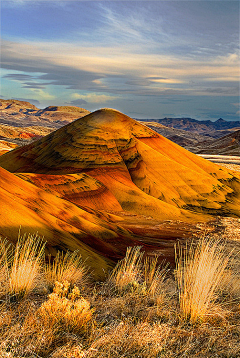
[66, 267]
[128, 272]
[25, 266]
[128, 340]
[69, 351]
[22, 333]
[200, 272]
[135, 313]
[5, 253]
[141, 281]
[154, 276]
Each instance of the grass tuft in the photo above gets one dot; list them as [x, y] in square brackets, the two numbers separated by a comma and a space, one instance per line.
[154, 276]
[25, 265]
[200, 272]
[128, 272]
[66, 267]
[5, 257]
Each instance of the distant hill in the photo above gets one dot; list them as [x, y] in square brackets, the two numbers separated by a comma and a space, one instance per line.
[225, 142]
[206, 127]
[227, 145]
[11, 137]
[181, 137]
[21, 113]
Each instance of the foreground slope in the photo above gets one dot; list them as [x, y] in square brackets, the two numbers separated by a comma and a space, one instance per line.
[100, 237]
[64, 225]
[139, 170]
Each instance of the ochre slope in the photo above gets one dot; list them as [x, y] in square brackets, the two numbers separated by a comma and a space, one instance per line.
[5, 146]
[80, 189]
[63, 224]
[146, 173]
[100, 237]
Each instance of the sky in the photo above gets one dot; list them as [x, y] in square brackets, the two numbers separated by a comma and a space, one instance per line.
[147, 59]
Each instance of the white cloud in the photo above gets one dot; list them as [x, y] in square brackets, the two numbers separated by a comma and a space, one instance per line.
[42, 95]
[93, 97]
[238, 106]
[166, 80]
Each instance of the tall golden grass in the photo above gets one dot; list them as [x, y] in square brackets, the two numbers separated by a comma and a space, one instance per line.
[141, 276]
[25, 265]
[66, 267]
[154, 275]
[128, 272]
[199, 273]
[5, 253]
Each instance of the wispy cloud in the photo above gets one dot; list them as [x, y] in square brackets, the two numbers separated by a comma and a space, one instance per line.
[99, 69]
[27, 81]
[131, 25]
[238, 107]
[18, 77]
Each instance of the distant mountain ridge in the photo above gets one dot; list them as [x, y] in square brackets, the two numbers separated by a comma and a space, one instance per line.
[194, 125]
[179, 136]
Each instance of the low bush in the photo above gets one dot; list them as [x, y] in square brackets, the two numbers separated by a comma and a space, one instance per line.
[65, 309]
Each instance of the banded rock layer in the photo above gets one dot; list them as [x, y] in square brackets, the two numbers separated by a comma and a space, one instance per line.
[140, 170]
[105, 181]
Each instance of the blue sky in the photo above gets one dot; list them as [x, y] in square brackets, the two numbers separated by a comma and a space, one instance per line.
[148, 59]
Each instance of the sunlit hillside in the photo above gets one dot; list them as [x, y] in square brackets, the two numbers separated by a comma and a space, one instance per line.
[134, 163]
[105, 182]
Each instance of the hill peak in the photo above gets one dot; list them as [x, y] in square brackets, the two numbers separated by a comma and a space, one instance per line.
[111, 124]
[14, 103]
